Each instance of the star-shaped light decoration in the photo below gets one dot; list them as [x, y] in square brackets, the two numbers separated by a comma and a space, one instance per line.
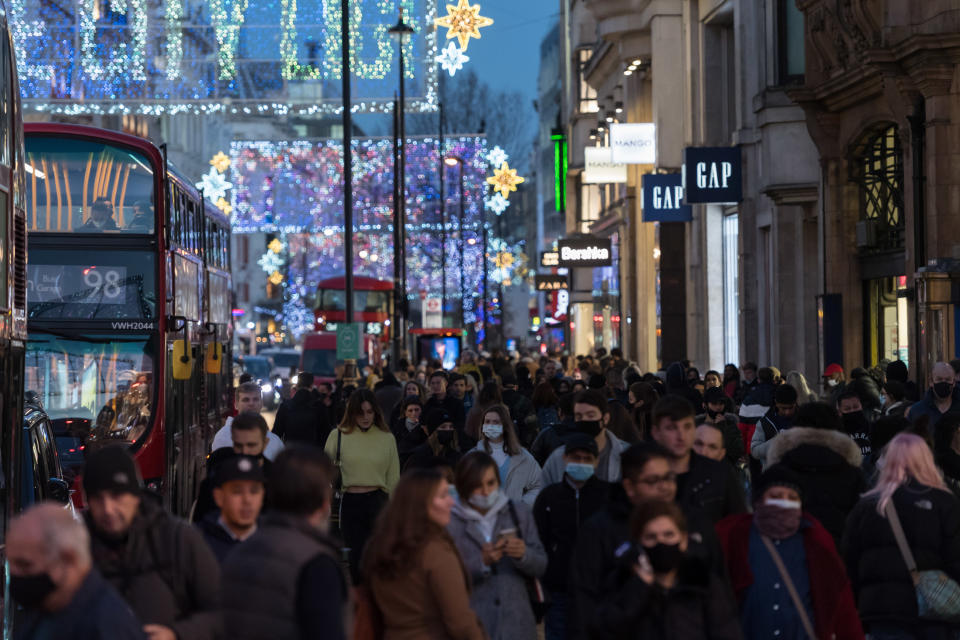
[498, 204]
[275, 245]
[505, 180]
[497, 156]
[214, 185]
[452, 59]
[463, 22]
[224, 206]
[276, 278]
[220, 162]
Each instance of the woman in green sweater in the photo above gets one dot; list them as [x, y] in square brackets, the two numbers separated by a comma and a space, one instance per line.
[365, 451]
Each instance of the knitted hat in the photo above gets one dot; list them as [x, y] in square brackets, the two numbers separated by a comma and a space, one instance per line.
[111, 469]
[434, 418]
[776, 476]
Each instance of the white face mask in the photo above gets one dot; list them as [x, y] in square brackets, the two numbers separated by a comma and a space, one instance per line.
[832, 383]
[493, 431]
[783, 504]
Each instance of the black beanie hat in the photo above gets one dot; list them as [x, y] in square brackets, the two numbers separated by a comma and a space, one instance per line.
[434, 418]
[714, 395]
[776, 476]
[111, 469]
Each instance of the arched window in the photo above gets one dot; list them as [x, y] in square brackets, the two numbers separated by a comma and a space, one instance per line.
[877, 168]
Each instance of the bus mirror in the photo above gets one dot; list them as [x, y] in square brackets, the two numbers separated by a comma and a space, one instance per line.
[182, 362]
[214, 358]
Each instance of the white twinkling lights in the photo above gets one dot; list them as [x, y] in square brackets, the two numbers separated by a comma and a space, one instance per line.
[452, 59]
[497, 156]
[214, 185]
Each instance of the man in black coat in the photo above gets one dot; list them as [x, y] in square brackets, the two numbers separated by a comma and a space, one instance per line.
[520, 408]
[439, 399]
[559, 511]
[159, 564]
[238, 491]
[47, 545]
[300, 419]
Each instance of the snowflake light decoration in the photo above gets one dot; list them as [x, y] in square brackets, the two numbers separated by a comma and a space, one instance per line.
[463, 22]
[498, 204]
[214, 185]
[505, 180]
[452, 59]
[270, 262]
[497, 156]
[220, 162]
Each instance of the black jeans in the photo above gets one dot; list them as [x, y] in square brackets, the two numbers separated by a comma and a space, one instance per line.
[358, 512]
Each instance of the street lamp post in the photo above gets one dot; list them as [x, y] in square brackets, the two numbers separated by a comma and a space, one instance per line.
[483, 257]
[452, 161]
[443, 222]
[350, 364]
[503, 335]
[400, 31]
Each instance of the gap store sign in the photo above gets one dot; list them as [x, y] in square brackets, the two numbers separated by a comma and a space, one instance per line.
[663, 198]
[712, 175]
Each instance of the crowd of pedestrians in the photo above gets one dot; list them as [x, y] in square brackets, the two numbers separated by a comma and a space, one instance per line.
[517, 498]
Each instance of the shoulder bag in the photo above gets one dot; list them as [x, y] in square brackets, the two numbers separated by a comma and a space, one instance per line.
[539, 600]
[938, 595]
[791, 588]
[337, 490]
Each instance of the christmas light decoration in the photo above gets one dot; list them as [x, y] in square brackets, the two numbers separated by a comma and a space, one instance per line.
[497, 203]
[452, 59]
[220, 162]
[224, 206]
[497, 156]
[505, 180]
[276, 277]
[214, 185]
[245, 57]
[463, 22]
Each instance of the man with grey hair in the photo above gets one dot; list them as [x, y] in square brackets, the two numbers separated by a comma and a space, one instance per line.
[941, 398]
[52, 577]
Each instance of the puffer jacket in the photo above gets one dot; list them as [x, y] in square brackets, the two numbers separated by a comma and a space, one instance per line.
[165, 572]
[828, 463]
[883, 587]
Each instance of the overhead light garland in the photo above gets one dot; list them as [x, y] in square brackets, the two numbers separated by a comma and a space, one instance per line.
[452, 59]
[505, 180]
[463, 22]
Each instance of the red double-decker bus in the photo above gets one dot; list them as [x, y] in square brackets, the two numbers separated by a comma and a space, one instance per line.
[372, 305]
[128, 303]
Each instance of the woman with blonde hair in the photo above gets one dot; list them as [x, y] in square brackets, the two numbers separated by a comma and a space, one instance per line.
[415, 573]
[519, 470]
[910, 489]
[365, 452]
[797, 380]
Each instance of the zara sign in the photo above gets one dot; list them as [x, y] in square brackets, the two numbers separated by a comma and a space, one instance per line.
[585, 251]
[663, 198]
[712, 175]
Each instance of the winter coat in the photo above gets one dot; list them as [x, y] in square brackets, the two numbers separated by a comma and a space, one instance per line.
[96, 612]
[828, 463]
[500, 592]
[768, 427]
[431, 601]
[931, 523]
[560, 511]
[388, 393]
[407, 440]
[711, 487]
[164, 570]
[523, 416]
[608, 468]
[604, 547]
[451, 405]
[834, 613]
[523, 481]
[928, 407]
[550, 439]
[756, 403]
[299, 419]
[698, 607]
[677, 385]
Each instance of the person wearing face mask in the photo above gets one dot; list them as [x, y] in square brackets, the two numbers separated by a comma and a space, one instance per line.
[779, 418]
[416, 575]
[663, 592]
[520, 471]
[560, 511]
[52, 577]
[855, 421]
[715, 402]
[441, 445]
[285, 582]
[498, 540]
[941, 398]
[365, 452]
[591, 414]
[779, 529]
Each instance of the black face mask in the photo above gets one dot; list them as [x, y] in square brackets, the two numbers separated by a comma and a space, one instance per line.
[942, 390]
[590, 427]
[713, 414]
[31, 591]
[664, 558]
[445, 437]
[855, 422]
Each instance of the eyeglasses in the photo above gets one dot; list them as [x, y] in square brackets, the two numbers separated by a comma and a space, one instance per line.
[652, 481]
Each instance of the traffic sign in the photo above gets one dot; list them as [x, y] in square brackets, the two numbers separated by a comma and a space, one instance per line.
[349, 340]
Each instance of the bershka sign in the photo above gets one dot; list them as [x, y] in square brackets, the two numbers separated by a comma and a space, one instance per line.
[585, 251]
[663, 198]
[551, 282]
[633, 142]
[598, 168]
[712, 175]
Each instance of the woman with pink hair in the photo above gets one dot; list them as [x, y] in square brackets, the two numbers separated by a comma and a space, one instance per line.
[930, 516]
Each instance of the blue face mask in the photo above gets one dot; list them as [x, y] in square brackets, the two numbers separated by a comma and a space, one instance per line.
[481, 501]
[579, 471]
[453, 492]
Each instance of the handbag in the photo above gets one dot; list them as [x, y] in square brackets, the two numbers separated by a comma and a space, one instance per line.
[791, 588]
[367, 619]
[539, 599]
[938, 595]
[337, 499]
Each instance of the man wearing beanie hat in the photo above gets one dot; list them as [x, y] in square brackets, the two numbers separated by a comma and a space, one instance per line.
[443, 444]
[813, 568]
[159, 564]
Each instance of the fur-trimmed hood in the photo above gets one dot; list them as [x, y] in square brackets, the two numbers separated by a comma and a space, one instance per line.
[836, 441]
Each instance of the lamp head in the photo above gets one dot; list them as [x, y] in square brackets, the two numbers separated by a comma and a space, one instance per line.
[401, 30]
